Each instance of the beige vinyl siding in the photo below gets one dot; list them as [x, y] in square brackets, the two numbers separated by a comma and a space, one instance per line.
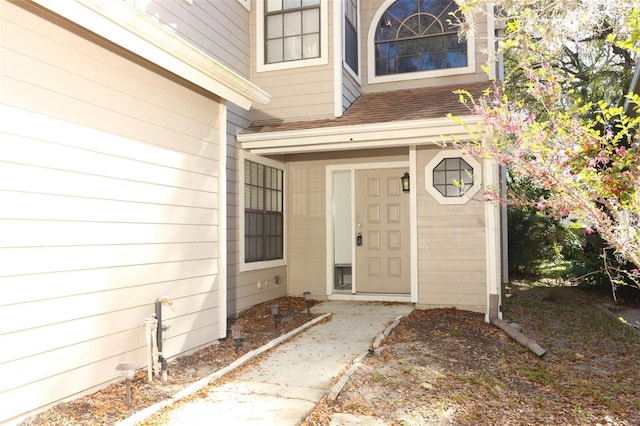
[220, 28]
[299, 93]
[351, 89]
[368, 12]
[242, 287]
[306, 242]
[451, 248]
[110, 199]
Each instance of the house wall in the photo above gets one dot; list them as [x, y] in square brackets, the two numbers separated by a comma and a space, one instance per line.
[244, 289]
[306, 212]
[305, 93]
[222, 29]
[109, 187]
[451, 248]
[369, 8]
[351, 89]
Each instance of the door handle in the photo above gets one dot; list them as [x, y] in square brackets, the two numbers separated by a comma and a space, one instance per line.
[359, 239]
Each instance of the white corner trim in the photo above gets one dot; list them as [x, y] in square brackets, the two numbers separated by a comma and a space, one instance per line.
[338, 37]
[493, 229]
[324, 42]
[222, 222]
[491, 40]
[120, 24]
[428, 177]
[413, 225]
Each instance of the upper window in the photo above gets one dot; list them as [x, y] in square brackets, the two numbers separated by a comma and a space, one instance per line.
[263, 212]
[291, 34]
[351, 34]
[418, 39]
[292, 30]
[415, 35]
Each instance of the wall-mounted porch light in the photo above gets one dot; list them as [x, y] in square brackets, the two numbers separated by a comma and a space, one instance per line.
[127, 371]
[405, 182]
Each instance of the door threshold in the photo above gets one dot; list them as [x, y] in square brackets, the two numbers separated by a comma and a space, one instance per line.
[371, 297]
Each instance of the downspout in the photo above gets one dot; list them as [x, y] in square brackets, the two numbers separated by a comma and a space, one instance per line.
[510, 331]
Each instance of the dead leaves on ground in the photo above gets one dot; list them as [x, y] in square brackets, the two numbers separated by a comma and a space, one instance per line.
[449, 367]
[107, 406]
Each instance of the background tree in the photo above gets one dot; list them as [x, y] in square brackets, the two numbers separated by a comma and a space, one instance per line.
[557, 121]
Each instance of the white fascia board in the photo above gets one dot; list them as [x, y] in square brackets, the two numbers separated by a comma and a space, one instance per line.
[124, 26]
[378, 135]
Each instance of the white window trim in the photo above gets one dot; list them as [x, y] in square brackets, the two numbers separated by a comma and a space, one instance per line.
[253, 266]
[428, 177]
[324, 42]
[353, 73]
[371, 56]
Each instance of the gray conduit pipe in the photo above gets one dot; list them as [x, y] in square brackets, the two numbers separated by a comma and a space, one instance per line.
[510, 331]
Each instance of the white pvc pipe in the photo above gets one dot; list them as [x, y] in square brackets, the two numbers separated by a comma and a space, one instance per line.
[150, 325]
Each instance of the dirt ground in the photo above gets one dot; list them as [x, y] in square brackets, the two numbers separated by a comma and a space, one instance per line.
[444, 367]
[448, 367]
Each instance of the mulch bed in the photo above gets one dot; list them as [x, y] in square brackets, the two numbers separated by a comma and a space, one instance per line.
[107, 406]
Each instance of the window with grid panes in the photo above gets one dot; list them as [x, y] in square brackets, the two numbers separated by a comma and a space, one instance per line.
[452, 177]
[292, 30]
[263, 212]
[418, 35]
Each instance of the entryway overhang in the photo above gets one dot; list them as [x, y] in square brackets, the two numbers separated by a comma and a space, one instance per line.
[363, 136]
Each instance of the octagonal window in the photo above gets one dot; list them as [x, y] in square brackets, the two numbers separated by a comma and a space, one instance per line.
[453, 177]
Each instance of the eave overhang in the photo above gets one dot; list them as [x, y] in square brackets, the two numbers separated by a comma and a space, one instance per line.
[357, 137]
[124, 26]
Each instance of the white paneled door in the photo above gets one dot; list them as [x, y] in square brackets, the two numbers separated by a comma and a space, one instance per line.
[382, 232]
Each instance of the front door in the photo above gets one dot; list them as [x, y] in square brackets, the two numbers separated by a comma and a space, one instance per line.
[382, 232]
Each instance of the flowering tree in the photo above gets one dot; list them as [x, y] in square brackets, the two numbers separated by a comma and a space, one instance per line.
[551, 127]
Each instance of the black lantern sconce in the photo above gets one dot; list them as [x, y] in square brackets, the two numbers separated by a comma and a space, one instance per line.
[405, 182]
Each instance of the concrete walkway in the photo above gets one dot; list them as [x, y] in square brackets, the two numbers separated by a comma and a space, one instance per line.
[287, 384]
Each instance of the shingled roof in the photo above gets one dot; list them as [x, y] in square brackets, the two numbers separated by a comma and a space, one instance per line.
[382, 107]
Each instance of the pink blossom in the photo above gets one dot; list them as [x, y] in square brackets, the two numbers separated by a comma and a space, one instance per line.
[589, 230]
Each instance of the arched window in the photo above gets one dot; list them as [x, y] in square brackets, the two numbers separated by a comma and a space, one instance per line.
[417, 35]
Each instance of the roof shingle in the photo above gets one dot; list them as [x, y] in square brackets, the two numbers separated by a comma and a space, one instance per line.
[382, 107]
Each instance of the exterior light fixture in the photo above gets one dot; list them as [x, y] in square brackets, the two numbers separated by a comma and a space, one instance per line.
[127, 371]
[307, 299]
[405, 182]
[276, 316]
[236, 334]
